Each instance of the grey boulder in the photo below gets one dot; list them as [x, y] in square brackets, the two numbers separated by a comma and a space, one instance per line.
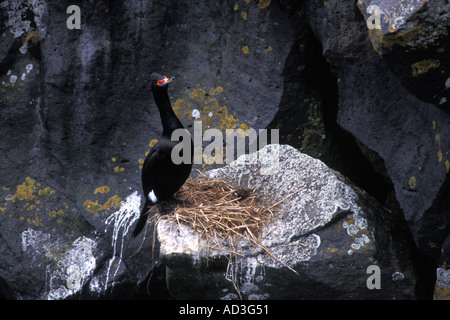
[334, 240]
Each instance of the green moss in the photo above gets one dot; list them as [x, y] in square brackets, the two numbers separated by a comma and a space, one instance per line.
[314, 134]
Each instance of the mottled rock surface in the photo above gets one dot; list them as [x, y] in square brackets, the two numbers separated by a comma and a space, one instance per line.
[77, 118]
[344, 232]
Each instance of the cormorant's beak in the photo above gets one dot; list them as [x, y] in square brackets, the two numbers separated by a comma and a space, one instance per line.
[169, 80]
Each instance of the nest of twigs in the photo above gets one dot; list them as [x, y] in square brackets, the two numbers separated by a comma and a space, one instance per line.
[222, 213]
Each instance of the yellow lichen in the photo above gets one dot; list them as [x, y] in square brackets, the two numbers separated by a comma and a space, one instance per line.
[244, 15]
[112, 203]
[37, 222]
[92, 207]
[360, 5]
[198, 95]
[33, 38]
[441, 293]
[376, 37]
[25, 191]
[215, 91]
[217, 158]
[212, 114]
[54, 213]
[245, 50]
[244, 127]
[263, 4]
[422, 67]
[46, 191]
[35, 199]
[412, 182]
[152, 143]
[102, 190]
[95, 207]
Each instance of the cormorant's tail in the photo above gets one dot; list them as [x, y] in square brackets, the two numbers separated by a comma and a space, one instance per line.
[142, 220]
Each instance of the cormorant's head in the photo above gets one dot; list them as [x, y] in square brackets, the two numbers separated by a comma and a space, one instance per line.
[159, 81]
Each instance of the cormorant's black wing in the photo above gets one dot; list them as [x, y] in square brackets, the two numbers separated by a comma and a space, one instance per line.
[144, 212]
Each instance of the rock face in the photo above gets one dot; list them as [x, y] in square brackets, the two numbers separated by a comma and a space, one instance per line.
[412, 38]
[77, 118]
[344, 231]
[393, 98]
[388, 88]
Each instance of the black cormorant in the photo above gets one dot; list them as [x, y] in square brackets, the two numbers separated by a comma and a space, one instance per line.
[161, 177]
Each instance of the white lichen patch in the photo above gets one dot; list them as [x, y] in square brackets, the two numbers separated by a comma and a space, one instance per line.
[357, 228]
[406, 16]
[397, 276]
[67, 271]
[75, 269]
[36, 242]
[94, 285]
[12, 78]
[443, 278]
[292, 254]
[16, 10]
[177, 239]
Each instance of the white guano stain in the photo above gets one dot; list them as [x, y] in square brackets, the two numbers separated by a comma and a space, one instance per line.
[121, 221]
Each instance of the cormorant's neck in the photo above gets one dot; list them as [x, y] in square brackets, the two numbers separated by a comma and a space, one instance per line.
[169, 120]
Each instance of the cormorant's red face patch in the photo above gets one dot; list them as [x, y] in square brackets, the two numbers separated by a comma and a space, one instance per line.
[162, 81]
